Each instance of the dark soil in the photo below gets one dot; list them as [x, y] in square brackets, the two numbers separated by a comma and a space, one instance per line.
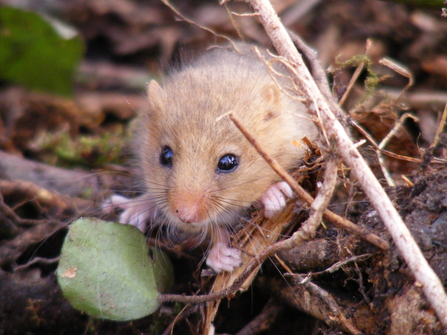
[129, 42]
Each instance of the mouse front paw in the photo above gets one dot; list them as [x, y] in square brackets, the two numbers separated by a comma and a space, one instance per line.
[136, 211]
[223, 258]
[274, 199]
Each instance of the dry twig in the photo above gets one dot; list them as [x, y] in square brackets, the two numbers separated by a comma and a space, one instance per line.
[386, 152]
[320, 109]
[354, 77]
[183, 17]
[321, 201]
[385, 141]
[318, 208]
[441, 125]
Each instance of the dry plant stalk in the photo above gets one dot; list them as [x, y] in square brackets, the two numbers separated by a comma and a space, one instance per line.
[385, 141]
[354, 77]
[258, 235]
[318, 208]
[241, 277]
[441, 125]
[305, 197]
[386, 152]
[401, 70]
[320, 109]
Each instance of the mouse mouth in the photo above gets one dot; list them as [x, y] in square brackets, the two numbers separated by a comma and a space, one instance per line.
[193, 227]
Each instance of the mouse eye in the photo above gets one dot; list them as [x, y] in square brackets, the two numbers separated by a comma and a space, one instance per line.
[166, 156]
[227, 163]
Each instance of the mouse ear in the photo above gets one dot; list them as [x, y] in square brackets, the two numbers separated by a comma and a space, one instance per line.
[272, 97]
[155, 94]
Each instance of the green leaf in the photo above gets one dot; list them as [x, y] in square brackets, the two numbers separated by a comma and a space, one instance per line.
[33, 53]
[105, 270]
[163, 270]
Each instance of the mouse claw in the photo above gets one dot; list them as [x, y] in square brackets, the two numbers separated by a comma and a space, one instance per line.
[136, 211]
[274, 199]
[223, 258]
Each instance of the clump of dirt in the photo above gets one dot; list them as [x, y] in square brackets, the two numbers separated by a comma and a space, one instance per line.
[397, 299]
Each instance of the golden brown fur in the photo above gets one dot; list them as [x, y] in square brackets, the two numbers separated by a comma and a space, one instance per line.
[182, 115]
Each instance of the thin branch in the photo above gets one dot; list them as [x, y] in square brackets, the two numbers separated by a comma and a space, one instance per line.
[320, 77]
[385, 141]
[306, 197]
[320, 109]
[428, 154]
[338, 265]
[244, 14]
[355, 76]
[402, 71]
[386, 152]
[175, 10]
[441, 126]
[307, 231]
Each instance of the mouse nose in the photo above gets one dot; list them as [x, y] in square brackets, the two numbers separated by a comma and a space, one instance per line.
[188, 206]
[187, 214]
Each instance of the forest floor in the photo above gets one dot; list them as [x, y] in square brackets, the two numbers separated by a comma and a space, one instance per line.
[61, 157]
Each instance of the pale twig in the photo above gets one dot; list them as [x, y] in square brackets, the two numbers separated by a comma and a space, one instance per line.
[38, 260]
[318, 208]
[338, 265]
[303, 195]
[175, 10]
[234, 23]
[428, 155]
[386, 152]
[385, 141]
[386, 174]
[401, 70]
[319, 108]
[355, 76]
[244, 14]
[441, 125]
[319, 76]
[274, 74]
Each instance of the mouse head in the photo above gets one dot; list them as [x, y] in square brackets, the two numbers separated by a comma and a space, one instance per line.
[201, 172]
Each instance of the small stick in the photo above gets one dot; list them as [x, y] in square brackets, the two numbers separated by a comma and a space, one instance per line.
[402, 71]
[338, 265]
[355, 76]
[320, 108]
[428, 154]
[386, 152]
[396, 128]
[302, 194]
[244, 14]
[167, 3]
[303, 234]
[385, 141]
[441, 125]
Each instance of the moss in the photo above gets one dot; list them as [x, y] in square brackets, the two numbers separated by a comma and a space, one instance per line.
[86, 150]
[372, 79]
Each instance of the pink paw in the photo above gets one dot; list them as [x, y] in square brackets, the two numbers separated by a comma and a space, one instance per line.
[136, 211]
[274, 199]
[223, 258]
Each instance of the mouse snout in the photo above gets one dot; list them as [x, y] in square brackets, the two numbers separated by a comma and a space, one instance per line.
[187, 214]
[189, 208]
